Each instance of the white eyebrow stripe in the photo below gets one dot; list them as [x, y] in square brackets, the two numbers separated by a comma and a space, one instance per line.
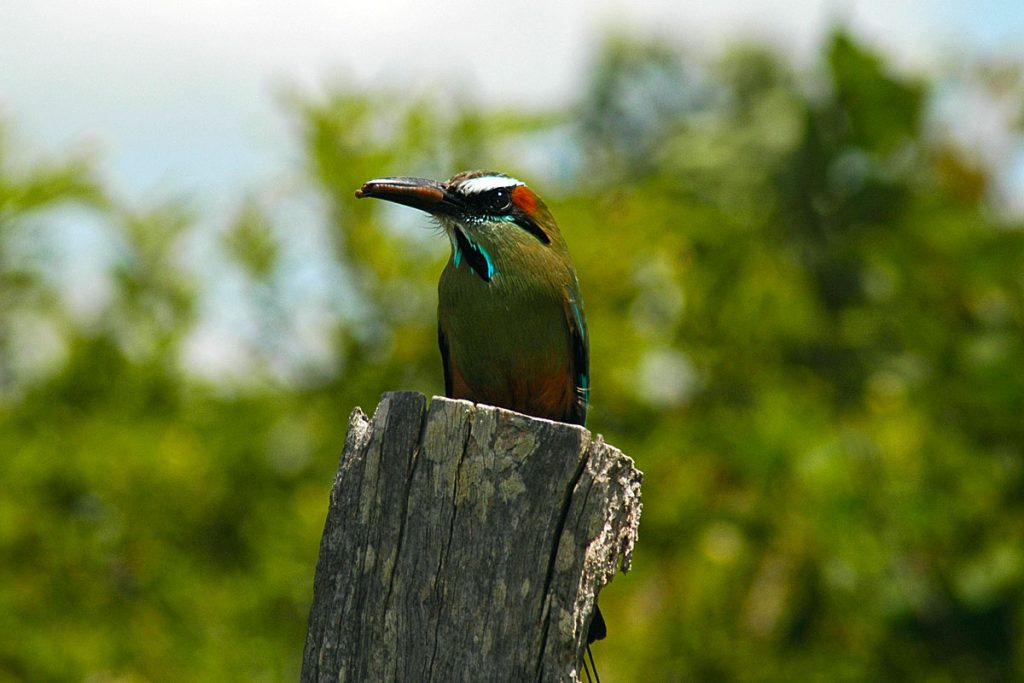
[487, 183]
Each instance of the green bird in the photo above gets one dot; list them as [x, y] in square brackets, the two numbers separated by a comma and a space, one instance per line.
[510, 316]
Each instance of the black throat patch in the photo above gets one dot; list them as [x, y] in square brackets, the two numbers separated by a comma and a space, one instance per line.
[476, 256]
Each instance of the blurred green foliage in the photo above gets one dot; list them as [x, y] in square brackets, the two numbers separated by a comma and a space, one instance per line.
[807, 325]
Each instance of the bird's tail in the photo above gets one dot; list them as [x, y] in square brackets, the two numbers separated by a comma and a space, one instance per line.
[597, 631]
[589, 666]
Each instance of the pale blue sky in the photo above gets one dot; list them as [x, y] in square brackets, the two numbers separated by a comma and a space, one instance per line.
[179, 98]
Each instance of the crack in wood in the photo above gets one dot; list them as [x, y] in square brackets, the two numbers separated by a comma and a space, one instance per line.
[443, 557]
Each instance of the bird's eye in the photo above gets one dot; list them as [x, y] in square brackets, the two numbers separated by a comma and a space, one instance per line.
[500, 201]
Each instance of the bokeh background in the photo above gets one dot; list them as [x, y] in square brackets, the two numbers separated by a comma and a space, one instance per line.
[798, 230]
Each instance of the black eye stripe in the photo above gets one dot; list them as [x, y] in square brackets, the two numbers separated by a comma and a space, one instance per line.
[527, 224]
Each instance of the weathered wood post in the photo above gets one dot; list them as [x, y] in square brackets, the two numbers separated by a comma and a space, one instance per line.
[466, 543]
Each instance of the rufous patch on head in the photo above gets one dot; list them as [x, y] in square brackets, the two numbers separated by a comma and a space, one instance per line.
[525, 199]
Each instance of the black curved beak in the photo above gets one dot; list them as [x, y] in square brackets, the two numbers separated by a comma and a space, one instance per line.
[419, 193]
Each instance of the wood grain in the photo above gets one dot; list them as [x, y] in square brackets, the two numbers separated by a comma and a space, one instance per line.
[466, 543]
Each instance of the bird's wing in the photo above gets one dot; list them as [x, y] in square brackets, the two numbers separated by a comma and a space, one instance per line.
[442, 343]
[579, 356]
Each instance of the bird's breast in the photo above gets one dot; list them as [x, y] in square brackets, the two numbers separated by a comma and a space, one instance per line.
[508, 342]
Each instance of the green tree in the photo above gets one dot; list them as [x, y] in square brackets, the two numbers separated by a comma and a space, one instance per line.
[806, 325]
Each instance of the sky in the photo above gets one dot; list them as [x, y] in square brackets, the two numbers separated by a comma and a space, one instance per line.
[184, 98]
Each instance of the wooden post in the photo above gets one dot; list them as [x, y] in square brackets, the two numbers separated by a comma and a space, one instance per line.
[466, 543]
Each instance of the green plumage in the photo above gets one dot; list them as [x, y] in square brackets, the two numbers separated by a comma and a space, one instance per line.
[511, 337]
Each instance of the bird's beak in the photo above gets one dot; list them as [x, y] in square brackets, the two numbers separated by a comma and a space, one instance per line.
[419, 193]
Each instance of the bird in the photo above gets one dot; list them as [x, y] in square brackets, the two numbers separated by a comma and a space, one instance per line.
[511, 326]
